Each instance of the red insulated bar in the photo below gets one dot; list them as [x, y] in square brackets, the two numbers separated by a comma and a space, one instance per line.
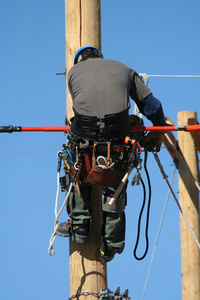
[187, 128]
[46, 128]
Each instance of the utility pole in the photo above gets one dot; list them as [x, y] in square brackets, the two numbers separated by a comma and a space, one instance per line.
[189, 201]
[87, 273]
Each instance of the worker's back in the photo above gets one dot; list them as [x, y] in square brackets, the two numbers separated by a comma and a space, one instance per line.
[100, 87]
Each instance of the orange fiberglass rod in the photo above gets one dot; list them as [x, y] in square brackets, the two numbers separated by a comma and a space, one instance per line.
[187, 128]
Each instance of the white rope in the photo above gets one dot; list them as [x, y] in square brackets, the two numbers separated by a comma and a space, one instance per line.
[180, 209]
[56, 222]
[158, 234]
[182, 161]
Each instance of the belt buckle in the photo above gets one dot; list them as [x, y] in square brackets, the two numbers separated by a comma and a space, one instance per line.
[101, 124]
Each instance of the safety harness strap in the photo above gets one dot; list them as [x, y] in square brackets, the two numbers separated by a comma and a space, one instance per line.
[108, 127]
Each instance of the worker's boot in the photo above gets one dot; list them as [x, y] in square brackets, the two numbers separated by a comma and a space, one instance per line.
[107, 253]
[64, 229]
[79, 232]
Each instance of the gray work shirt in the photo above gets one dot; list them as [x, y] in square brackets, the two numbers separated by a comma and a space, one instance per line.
[100, 87]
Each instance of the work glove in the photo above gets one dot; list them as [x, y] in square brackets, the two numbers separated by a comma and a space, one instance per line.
[153, 140]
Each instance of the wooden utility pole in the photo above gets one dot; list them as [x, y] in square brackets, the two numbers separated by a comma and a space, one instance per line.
[87, 273]
[189, 201]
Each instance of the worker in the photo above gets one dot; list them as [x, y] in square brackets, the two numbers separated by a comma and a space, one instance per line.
[101, 90]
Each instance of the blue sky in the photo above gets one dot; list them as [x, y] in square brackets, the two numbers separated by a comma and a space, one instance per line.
[153, 37]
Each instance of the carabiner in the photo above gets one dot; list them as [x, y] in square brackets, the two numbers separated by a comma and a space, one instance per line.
[68, 156]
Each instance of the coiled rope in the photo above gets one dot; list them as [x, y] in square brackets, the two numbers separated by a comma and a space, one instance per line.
[141, 212]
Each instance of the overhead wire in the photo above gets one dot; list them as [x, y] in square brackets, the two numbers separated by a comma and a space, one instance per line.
[176, 76]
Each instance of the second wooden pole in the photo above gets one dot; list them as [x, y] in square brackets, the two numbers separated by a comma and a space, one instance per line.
[189, 201]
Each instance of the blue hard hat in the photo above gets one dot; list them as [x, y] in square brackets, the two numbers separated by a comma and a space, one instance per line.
[84, 51]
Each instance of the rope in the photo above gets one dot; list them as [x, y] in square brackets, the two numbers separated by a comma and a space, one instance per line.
[159, 230]
[57, 214]
[182, 161]
[180, 209]
[56, 222]
[141, 212]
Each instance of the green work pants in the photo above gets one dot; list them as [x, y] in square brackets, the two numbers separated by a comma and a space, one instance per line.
[79, 211]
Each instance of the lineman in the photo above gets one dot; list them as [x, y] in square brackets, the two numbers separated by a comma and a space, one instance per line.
[100, 91]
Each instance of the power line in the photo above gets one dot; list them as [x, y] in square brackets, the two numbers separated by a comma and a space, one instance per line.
[176, 76]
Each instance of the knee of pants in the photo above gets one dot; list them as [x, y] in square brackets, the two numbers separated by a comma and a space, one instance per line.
[117, 207]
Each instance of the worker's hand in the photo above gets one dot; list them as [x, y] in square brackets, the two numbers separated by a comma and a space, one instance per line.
[152, 141]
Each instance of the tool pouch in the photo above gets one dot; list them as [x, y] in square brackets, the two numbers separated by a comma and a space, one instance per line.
[101, 173]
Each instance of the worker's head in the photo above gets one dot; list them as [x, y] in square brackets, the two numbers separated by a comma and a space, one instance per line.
[87, 52]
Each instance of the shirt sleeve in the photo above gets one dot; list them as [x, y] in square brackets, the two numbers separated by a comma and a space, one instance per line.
[151, 108]
[138, 90]
[148, 105]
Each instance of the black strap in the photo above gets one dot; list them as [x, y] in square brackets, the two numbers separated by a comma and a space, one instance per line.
[107, 127]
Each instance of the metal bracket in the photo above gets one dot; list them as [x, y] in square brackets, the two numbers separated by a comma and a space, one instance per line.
[108, 295]
[62, 73]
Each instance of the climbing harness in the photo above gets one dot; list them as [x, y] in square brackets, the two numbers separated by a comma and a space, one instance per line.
[90, 162]
[106, 128]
